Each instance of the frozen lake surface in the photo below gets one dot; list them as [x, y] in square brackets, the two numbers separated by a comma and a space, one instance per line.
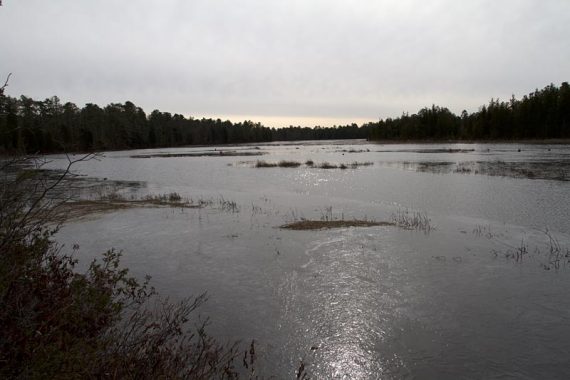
[358, 303]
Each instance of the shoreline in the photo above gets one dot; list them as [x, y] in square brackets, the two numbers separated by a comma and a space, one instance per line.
[556, 141]
[497, 141]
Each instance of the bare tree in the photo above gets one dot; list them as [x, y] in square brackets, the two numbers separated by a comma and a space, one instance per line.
[7, 78]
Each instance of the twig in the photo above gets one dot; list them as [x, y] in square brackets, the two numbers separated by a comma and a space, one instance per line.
[7, 79]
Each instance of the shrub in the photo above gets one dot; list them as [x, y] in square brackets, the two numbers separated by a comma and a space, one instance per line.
[58, 323]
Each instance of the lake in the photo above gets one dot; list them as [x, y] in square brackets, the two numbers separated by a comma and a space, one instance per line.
[482, 293]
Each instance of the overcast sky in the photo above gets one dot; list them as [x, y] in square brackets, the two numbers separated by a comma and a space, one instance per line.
[284, 62]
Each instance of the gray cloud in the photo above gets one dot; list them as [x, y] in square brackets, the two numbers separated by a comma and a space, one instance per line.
[318, 58]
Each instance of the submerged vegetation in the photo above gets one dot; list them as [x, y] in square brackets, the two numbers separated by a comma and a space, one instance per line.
[28, 125]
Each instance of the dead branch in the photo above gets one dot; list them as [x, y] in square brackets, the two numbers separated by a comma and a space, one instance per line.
[34, 204]
[7, 80]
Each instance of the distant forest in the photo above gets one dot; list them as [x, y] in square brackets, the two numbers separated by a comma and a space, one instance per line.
[543, 114]
[47, 126]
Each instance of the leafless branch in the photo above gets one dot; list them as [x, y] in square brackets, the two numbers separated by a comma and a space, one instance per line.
[36, 207]
[7, 80]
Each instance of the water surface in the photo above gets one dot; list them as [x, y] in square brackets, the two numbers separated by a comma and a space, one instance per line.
[359, 303]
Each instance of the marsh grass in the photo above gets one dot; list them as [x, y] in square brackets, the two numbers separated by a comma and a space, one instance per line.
[226, 205]
[550, 254]
[328, 220]
[403, 218]
[356, 164]
[342, 166]
[265, 164]
[518, 253]
[79, 208]
[327, 165]
[311, 164]
[303, 225]
[412, 220]
[281, 164]
[170, 199]
[556, 254]
[288, 164]
[481, 230]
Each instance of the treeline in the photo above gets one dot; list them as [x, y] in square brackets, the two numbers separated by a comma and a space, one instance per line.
[32, 126]
[540, 115]
[352, 131]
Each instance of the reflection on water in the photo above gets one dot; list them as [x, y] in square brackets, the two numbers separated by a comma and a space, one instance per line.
[360, 303]
[348, 308]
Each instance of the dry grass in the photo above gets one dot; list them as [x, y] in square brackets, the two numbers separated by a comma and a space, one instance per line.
[265, 164]
[357, 164]
[310, 164]
[82, 208]
[352, 165]
[326, 165]
[113, 202]
[281, 164]
[75, 209]
[328, 224]
[412, 220]
[288, 164]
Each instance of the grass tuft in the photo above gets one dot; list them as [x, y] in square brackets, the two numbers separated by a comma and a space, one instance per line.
[288, 164]
[412, 220]
[265, 164]
[311, 164]
[326, 165]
